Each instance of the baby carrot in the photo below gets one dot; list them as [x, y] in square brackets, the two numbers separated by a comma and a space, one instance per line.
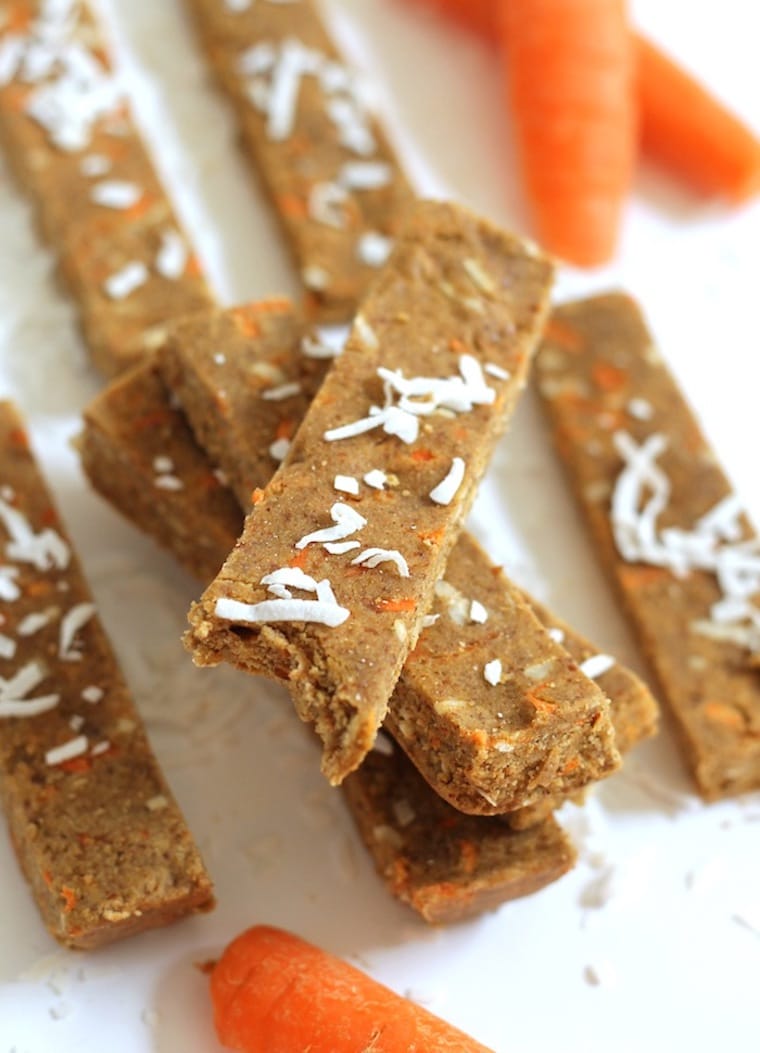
[690, 132]
[274, 993]
[569, 80]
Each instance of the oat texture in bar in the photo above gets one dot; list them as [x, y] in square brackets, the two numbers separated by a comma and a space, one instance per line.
[67, 131]
[326, 589]
[668, 527]
[98, 834]
[325, 162]
[138, 452]
[446, 865]
[245, 377]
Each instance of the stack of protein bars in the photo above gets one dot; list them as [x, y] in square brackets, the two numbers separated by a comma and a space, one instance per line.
[352, 580]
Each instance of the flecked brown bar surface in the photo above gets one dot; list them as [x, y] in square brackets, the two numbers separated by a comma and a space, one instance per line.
[458, 298]
[446, 865]
[666, 526]
[139, 453]
[245, 377]
[325, 162]
[98, 834]
[97, 198]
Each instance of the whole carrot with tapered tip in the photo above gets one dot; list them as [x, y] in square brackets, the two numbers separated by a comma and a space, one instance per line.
[274, 993]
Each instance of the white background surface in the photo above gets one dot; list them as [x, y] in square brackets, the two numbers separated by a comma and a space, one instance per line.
[664, 907]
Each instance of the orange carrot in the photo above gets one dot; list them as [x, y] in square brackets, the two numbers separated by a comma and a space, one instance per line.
[274, 993]
[569, 80]
[682, 126]
[690, 132]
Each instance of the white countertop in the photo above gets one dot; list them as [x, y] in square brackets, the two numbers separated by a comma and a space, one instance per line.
[653, 941]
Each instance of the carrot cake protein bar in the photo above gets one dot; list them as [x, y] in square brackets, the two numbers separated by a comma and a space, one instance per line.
[668, 527]
[98, 834]
[324, 161]
[67, 131]
[331, 598]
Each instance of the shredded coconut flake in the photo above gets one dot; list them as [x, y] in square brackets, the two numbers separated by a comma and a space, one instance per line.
[71, 623]
[365, 334]
[292, 577]
[32, 623]
[642, 492]
[338, 548]
[67, 751]
[312, 347]
[13, 692]
[373, 557]
[126, 281]
[492, 672]
[597, 665]
[558, 635]
[7, 646]
[478, 613]
[445, 491]
[365, 175]
[374, 248]
[347, 521]
[376, 479]
[172, 256]
[292, 63]
[92, 694]
[279, 449]
[496, 371]
[45, 551]
[282, 391]
[168, 482]
[419, 397]
[317, 611]
[9, 590]
[326, 204]
[116, 194]
[347, 484]
[640, 409]
[100, 748]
